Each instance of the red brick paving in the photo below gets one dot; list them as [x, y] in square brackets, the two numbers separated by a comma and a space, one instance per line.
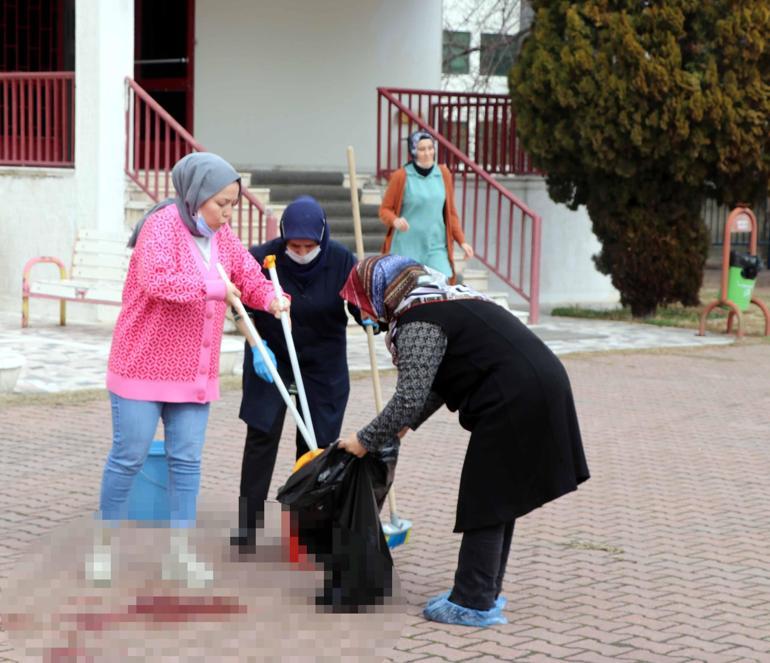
[664, 555]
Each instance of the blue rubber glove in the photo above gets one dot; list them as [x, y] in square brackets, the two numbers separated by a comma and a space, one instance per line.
[260, 368]
[368, 322]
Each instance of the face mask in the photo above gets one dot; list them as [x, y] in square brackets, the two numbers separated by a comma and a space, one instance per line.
[203, 228]
[307, 258]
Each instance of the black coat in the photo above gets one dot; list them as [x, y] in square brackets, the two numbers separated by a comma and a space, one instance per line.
[318, 324]
[514, 395]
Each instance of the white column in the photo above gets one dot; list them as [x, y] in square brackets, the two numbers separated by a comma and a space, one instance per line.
[104, 56]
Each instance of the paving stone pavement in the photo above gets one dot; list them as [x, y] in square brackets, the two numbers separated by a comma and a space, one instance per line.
[661, 556]
[74, 357]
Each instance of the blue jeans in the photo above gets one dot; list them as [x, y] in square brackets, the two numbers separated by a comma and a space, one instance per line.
[133, 427]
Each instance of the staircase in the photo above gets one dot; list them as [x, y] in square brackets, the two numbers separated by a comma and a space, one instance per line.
[332, 191]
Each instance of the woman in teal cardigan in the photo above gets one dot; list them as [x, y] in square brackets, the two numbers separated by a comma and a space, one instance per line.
[419, 209]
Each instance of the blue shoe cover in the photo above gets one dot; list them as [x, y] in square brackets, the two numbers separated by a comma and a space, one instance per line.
[446, 612]
[500, 601]
[438, 597]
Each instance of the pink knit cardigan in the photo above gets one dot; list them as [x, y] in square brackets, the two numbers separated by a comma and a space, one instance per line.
[165, 346]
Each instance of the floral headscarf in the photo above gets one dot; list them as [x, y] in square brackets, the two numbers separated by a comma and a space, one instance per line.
[377, 285]
[385, 287]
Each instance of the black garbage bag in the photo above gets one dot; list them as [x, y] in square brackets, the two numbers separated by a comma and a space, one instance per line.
[335, 502]
[750, 264]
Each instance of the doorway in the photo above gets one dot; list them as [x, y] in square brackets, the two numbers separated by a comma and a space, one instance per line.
[164, 50]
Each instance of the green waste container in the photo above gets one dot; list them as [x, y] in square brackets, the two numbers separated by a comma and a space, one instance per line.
[741, 278]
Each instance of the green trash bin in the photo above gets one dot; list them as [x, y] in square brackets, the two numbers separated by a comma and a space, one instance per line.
[741, 278]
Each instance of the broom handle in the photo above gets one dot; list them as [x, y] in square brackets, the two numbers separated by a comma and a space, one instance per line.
[255, 341]
[270, 264]
[369, 333]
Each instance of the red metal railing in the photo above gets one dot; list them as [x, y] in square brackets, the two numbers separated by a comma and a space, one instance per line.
[37, 119]
[155, 141]
[504, 232]
[481, 126]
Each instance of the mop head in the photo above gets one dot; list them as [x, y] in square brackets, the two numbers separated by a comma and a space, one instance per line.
[443, 610]
[397, 534]
[305, 458]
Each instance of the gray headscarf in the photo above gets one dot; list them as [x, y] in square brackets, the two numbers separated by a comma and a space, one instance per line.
[196, 178]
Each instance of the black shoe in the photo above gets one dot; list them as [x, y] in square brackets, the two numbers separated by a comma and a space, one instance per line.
[244, 540]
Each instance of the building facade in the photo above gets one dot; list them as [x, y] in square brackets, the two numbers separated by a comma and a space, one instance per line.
[265, 84]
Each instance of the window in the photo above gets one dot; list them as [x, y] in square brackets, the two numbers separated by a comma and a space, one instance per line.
[456, 59]
[497, 53]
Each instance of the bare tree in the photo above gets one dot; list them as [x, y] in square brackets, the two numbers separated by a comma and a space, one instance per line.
[477, 17]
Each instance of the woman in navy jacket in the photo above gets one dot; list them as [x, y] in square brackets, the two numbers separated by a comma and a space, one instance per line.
[312, 268]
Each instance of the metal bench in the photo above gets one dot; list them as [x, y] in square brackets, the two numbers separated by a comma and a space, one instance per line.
[99, 265]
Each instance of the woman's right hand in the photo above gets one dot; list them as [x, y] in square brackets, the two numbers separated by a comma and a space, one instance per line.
[401, 224]
[233, 294]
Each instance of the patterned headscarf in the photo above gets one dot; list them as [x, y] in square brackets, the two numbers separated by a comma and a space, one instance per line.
[385, 287]
[378, 285]
[415, 137]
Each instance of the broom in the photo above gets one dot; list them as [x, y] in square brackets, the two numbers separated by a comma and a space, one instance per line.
[397, 531]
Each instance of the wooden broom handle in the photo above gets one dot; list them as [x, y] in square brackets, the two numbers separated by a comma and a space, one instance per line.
[359, 237]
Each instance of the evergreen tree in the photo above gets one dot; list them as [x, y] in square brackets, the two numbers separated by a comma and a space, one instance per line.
[640, 110]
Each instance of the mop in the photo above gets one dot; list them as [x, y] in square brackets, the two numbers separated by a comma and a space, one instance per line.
[397, 531]
[244, 323]
[269, 265]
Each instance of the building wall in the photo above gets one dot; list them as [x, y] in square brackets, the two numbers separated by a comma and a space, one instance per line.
[38, 217]
[42, 208]
[293, 83]
[567, 272]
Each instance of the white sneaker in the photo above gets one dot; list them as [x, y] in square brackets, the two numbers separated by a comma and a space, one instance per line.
[99, 565]
[181, 564]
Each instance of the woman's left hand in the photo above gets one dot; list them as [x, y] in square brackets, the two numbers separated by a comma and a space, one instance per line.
[352, 445]
[468, 250]
[278, 306]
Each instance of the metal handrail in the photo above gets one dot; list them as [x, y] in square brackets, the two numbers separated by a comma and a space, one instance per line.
[37, 118]
[161, 131]
[504, 196]
[40, 75]
[482, 126]
[449, 93]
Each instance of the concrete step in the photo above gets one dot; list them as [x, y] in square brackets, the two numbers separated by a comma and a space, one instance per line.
[363, 180]
[276, 210]
[342, 208]
[285, 193]
[345, 225]
[135, 210]
[372, 243]
[478, 279]
[302, 178]
[371, 196]
[261, 193]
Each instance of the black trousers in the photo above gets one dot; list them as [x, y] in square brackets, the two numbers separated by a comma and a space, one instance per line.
[481, 566]
[259, 454]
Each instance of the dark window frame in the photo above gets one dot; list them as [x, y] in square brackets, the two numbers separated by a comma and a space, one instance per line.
[497, 54]
[455, 52]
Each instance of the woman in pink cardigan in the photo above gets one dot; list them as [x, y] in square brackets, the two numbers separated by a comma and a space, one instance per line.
[164, 361]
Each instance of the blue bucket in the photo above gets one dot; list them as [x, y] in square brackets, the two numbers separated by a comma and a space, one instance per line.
[148, 497]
